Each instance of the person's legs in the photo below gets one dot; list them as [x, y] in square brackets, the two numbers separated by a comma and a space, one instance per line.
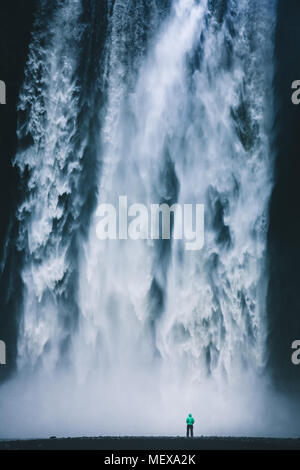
[192, 431]
[187, 430]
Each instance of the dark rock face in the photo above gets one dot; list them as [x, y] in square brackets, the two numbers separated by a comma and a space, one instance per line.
[16, 17]
[284, 229]
[15, 27]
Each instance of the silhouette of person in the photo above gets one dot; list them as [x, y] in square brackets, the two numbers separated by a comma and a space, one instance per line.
[190, 426]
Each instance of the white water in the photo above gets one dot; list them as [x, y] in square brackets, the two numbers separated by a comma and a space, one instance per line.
[48, 94]
[132, 359]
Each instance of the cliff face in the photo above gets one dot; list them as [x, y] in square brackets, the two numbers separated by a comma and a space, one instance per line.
[15, 27]
[284, 229]
[16, 18]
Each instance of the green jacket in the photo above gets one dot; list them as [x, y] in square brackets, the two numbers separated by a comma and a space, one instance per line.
[190, 419]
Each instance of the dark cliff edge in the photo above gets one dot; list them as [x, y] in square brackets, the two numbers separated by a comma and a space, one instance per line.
[284, 229]
[16, 18]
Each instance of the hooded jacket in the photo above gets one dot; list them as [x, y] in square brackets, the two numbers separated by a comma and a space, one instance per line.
[190, 420]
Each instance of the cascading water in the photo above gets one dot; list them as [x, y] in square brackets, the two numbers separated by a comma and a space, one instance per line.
[174, 105]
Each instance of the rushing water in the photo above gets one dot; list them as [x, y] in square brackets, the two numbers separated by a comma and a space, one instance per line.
[164, 102]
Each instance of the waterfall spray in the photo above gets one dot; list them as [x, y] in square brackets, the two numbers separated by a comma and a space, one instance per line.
[182, 115]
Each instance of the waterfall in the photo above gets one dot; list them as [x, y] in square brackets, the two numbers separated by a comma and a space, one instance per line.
[170, 102]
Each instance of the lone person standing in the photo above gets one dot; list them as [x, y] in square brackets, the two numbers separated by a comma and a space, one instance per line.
[190, 426]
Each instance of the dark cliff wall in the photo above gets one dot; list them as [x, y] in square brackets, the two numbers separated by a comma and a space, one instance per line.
[16, 18]
[284, 230]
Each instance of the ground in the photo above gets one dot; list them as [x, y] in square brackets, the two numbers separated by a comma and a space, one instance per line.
[153, 443]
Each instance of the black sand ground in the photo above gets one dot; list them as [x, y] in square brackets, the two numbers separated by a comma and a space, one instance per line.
[153, 443]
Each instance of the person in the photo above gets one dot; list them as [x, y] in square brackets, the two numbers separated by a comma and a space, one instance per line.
[190, 425]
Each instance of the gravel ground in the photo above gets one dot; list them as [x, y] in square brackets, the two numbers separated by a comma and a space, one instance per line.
[153, 443]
